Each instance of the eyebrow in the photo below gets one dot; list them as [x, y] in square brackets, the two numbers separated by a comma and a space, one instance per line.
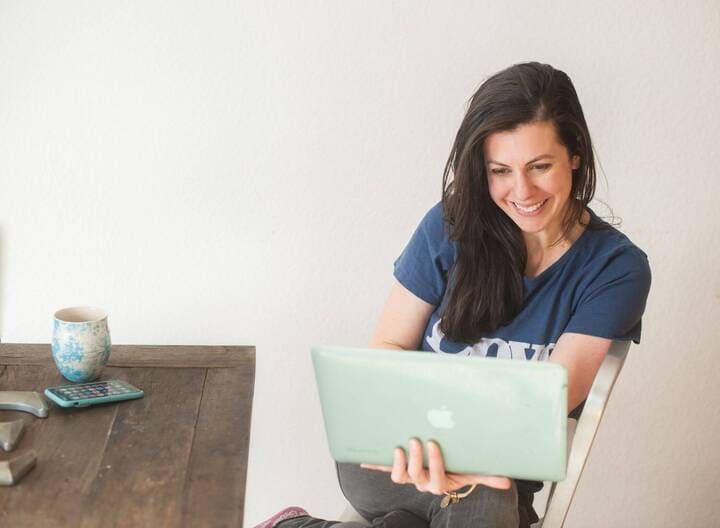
[542, 156]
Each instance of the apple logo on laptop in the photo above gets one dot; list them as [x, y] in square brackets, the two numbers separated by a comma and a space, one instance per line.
[441, 418]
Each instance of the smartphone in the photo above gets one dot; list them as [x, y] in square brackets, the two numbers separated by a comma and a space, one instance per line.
[93, 393]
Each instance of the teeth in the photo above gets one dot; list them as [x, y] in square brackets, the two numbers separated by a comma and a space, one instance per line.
[529, 209]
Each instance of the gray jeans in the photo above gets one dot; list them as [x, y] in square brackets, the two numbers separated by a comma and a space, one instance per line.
[388, 505]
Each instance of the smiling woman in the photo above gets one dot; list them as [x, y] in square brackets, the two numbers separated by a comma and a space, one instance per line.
[511, 263]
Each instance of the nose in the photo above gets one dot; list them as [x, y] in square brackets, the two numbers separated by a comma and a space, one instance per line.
[524, 188]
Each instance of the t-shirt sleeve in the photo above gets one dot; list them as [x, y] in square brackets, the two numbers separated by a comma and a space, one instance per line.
[613, 302]
[423, 265]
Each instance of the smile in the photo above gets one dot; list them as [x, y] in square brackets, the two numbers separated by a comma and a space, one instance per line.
[531, 210]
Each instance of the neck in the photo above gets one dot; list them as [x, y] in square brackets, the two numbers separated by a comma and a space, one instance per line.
[542, 250]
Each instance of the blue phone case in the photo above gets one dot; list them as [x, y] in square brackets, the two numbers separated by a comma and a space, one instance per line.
[93, 393]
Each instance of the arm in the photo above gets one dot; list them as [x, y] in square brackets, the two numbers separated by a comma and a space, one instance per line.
[402, 321]
[581, 355]
[611, 306]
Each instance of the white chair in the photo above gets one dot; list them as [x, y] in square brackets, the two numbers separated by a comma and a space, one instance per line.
[579, 444]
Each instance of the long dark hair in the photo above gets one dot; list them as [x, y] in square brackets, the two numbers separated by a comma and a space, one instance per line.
[486, 287]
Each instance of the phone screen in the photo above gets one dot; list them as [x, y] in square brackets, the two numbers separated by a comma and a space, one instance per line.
[96, 389]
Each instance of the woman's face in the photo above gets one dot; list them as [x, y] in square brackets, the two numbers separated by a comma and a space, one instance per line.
[530, 177]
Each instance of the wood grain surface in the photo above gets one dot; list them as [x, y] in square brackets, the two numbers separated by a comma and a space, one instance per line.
[177, 457]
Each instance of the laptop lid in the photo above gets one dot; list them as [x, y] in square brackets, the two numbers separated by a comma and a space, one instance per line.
[490, 416]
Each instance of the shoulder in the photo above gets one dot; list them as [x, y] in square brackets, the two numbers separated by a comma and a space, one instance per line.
[610, 282]
[433, 222]
[608, 252]
[436, 230]
[423, 265]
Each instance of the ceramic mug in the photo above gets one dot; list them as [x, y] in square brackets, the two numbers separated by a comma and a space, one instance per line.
[81, 342]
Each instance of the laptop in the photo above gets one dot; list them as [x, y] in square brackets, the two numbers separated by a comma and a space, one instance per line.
[490, 416]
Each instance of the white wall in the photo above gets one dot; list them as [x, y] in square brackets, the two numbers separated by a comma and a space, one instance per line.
[245, 173]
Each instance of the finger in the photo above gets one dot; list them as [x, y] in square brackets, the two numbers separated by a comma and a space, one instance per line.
[415, 469]
[502, 483]
[436, 465]
[399, 470]
[386, 469]
[458, 480]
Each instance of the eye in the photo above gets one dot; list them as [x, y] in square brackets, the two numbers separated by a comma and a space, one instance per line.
[542, 166]
[499, 171]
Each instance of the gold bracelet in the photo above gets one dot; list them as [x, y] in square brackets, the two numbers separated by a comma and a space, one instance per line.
[451, 497]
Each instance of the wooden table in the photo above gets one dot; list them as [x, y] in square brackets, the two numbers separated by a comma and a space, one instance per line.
[177, 457]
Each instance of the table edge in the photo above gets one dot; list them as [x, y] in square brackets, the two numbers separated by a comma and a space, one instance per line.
[164, 356]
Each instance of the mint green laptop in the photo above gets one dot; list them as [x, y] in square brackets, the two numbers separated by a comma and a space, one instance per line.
[489, 416]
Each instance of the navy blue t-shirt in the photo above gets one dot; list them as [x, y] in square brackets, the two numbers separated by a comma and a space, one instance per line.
[597, 287]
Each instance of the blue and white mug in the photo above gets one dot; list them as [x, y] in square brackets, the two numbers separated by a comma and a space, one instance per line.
[81, 342]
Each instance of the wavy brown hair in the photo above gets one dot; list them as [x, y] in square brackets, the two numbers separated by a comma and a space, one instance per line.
[486, 283]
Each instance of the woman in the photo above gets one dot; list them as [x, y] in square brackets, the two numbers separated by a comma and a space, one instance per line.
[511, 263]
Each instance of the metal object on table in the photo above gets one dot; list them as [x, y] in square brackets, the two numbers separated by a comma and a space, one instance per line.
[25, 401]
[10, 433]
[13, 470]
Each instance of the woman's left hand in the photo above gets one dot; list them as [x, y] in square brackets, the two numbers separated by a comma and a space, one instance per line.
[434, 479]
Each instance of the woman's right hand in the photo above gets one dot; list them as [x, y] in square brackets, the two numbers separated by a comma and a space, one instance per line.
[433, 480]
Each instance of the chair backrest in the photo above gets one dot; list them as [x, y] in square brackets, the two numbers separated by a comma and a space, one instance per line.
[562, 493]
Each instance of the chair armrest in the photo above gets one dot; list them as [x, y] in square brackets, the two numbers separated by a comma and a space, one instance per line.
[562, 492]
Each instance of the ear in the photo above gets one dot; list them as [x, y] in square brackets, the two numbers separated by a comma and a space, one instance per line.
[575, 162]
